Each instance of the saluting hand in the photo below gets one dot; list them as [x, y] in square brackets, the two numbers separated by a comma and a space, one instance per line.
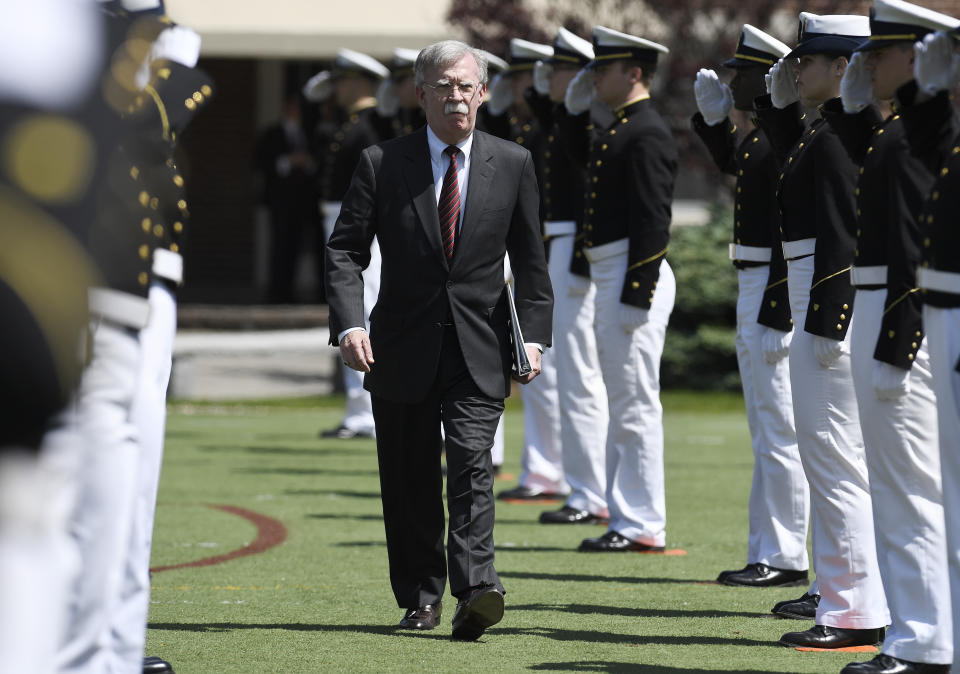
[782, 83]
[356, 351]
[935, 64]
[580, 92]
[714, 98]
[856, 90]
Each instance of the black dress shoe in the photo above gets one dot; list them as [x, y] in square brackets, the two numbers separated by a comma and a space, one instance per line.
[154, 665]
[568, 515]
[614, 542]
[341, 432]
[481, 609]
[761, 575]
[421, 618]
[522, 493]
[887, 664]
[804, 608]
[821, 636]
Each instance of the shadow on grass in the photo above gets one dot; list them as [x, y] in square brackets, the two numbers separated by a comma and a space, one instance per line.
[336, 516]
[342, 472]
[599, 666]
[592, 609]
[585, 577]
[498, 548]
[277, 451]
[383, 630]
[346, 493]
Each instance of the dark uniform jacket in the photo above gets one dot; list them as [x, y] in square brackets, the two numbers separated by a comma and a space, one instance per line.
[358, 132]
[932, 129]
[406, 120]
[890, 193]
[756, 214]
[631, 169]
[393, 197]
[815, 191]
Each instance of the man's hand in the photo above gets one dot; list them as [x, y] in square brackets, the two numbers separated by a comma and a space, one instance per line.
[534, 356]
[357, 354]
[714, 98]
[782, 83]
[935, 63]
[580, 92]
[890, 382]
[856, 89]
[827, 351]
[775, 345]
[632, 317]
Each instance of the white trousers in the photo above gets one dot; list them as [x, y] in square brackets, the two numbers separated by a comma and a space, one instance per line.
[630, 362]
[903, 462]
[779, 497]
[542, 458]
[942, 328]
[582, 396]
[96, 441]
[831, 448]
[358, 415]
[149, 414]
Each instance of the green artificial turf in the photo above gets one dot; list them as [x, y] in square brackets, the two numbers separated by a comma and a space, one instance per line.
[321, 601]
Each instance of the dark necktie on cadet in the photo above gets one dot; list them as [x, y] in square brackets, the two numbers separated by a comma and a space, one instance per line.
[449, 204]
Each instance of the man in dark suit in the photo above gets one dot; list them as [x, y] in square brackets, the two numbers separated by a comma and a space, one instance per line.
[446, 203]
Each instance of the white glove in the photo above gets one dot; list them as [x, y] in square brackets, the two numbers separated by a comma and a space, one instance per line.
[827, 351]
[387, 100]
[580, 92]
[775, 345]
[856, 90]
[319, 87]
[577, 286]
[890, 382]
[782, 83]
[632, 317]
[714, 98]
[501, 95]
[935, 64]
[542, 72]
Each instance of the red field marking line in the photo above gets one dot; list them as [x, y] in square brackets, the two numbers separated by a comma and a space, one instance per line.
[672, 552]
[270, 533]
[846, 649]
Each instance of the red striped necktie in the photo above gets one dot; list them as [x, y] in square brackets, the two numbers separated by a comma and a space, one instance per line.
[449, 204]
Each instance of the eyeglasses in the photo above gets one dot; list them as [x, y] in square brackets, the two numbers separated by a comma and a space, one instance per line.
[445, 89]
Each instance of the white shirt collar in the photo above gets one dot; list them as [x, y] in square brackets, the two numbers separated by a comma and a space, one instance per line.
[437, 146]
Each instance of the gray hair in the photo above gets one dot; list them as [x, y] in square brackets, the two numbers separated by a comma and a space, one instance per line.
[444, 53]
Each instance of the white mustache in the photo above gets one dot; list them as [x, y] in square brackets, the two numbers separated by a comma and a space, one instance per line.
[454, 107]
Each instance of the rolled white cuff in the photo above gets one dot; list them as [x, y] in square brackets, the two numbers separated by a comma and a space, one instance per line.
[168, 265]
[869, 276]
[612, 249]
[560, 228]
[939, 281]
[799, 248]
[120, 307]
[749, 253]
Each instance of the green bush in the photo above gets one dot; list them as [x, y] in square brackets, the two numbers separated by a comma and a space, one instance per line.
[700, 352]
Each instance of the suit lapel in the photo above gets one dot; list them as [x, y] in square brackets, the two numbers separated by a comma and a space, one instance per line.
[419, 180]
[481, 176]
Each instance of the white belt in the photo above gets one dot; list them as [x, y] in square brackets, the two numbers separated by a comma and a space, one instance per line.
[799, 248]
[749, 253]
[612, 249]
[939, 281]
[120, 307]
[560, 228]
[168, 265]
[869, 276]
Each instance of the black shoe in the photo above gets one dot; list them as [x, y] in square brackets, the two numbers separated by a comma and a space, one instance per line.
[154, 665]
[761, 575]
[614, 542]
[422, 617]
[887, 664]
[568, 515]
[481, 609]
[522, 493]
[821, 636]
[804, 608]
[341, 432]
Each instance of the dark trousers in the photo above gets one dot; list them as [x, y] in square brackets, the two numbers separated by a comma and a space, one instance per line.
[411, 484]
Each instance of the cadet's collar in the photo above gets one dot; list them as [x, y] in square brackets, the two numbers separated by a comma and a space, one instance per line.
[626, 108]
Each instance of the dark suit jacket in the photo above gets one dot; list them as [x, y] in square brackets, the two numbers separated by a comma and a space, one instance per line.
[392, 196]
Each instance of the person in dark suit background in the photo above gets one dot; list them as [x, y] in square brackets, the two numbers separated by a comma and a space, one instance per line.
[446, 203]
[282, 156]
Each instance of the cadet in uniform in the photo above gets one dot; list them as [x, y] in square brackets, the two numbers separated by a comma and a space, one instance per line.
[628, 195]
[352, 81]
[817, 205]
[777, 550]
[398, 109]
[932, 129]
[580, 390]
[891, 364]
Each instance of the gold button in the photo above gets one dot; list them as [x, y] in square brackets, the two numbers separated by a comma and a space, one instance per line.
[547, 170]
[174, 248]
[861, 170]
[738, 223]
[773, 304]
[944, 171]
[526, 127]
[178, 227]
[604, 146]
[154, 203]
[739, 207]
[145, 223]
[919, 334]
[858, 212]
[839, 327]
[178, 181]
[206, 90]
[182, 205]
[739, 190]
[142, 278]
[144, 251]
[599, 162]
[913, 345]
[520, 141]
[589, 228]
[596, 179]
[547, 185]
[134, 172]
[930, 219]
[909, 356]
[935, 195]
[858, 231]
[857, 191]
[816, 307]
[956, 149]
[635, 285]
[158, 230]
[144, 199]
[846, 306]
[843, 317]
[746, 155]
[926, 242]
[879, 132]
[740, 172]
[549, 139]
[623, 121]
[198, 97]
[812, 131]
[590, 211]
[190, 105]
[800, 146]
[869, 149]
[789, 160]
[578, 254]
[756, 140]
[891, 334]
[593, 195]
[613, 132]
